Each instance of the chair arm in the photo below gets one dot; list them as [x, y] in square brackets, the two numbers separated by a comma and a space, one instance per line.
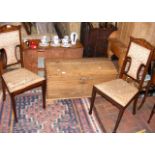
[3, 60]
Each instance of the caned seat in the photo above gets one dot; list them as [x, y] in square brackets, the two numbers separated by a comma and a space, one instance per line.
[122, 91]
[20, 79]
[121, 96]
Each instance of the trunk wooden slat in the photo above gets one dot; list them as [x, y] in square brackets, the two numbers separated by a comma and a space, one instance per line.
[73, 78]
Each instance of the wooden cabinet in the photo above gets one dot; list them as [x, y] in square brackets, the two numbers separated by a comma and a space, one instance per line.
[34, 58]
[95, 40]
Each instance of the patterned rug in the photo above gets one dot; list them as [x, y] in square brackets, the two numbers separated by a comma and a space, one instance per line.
[60, 116]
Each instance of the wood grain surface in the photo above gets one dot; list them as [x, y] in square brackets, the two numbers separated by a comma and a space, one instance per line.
[73, 78]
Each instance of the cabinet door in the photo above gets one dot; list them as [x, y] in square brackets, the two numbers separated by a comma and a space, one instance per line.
[34, 61]
[30, 58]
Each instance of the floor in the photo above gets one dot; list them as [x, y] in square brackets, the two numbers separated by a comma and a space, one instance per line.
[107, 115]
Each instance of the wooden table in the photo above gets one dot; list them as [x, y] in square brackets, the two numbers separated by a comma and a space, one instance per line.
[74, 78]
[33, 57]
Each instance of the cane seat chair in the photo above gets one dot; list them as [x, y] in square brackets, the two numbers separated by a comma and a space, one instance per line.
[120, 92]
[18, 80]
[150, 85]
[151, 114]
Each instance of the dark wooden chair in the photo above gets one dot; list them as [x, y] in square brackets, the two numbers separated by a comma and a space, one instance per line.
[151, 115]
[149, 86]
[95, 40]
[121, 92]
[19, 80]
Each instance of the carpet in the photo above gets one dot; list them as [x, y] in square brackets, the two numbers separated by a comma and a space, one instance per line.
[60, 116]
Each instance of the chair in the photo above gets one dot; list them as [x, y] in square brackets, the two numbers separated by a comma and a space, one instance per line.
[120, 92]
[19, 80]
[151, 115]
[151, 85]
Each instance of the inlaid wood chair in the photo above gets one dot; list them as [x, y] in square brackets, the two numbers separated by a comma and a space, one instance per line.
[19, 80]
[151, 85]
[151, 115]
[121, 92]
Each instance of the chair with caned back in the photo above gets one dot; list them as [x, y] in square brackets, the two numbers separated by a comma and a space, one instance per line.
[151, 114]
[18, 80]
[121, 92]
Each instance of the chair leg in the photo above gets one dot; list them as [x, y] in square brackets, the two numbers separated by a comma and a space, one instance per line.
[118, 120]
[3, 89]
[152, 112]
[135, 105]
[92, 100]
[144, 98]
[44, 94]
[14, 106]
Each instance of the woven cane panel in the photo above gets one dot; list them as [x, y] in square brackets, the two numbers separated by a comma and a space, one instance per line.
[20, 78]
[8, 41]
[139, 55]
[119, 90]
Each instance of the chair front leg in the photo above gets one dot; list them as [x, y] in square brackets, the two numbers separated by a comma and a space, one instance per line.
[118, 119]
[92, 100]
[4, 90]
[152, 112]
[145, 95]
[14, 106]
[135, 105]
[44, 94]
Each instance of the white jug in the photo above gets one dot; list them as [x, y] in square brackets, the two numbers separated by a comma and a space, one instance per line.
[73, 37]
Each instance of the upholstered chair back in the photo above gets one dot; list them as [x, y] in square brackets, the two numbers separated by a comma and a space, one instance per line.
[10, 41]
[137, 59]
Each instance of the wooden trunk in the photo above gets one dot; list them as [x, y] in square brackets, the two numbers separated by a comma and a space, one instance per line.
[74, 78]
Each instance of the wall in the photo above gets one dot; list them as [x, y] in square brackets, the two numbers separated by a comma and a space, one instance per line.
[136, 29]
[74, 27]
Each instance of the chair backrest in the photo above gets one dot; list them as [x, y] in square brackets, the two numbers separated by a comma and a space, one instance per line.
[10, 41]
[137, 60]
[3, 60]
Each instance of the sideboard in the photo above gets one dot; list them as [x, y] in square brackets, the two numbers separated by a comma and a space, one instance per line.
[34, 58]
